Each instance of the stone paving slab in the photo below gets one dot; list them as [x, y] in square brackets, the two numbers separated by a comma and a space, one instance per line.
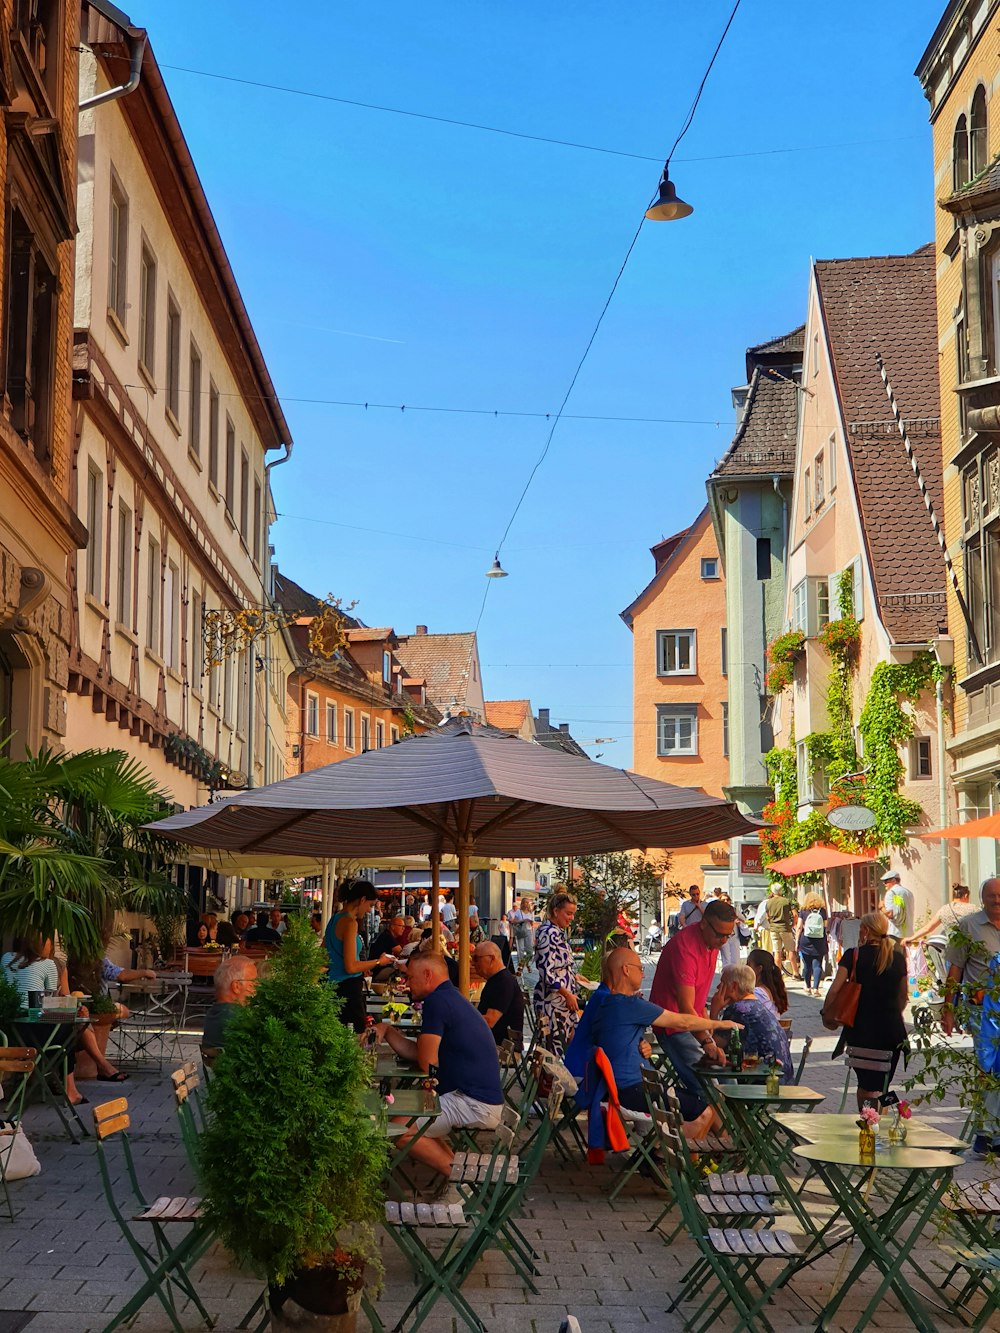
[64, 1260]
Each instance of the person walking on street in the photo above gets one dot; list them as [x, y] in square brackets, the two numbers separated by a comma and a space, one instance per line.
[780, 910]
[522, 920]
[692, 911]
[811, 940]
[897, 905]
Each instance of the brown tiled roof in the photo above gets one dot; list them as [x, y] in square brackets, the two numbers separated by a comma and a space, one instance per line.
[664, 549]
[785, 343]
[442, 660]
[293, 598]
[507, 714]
[764, 444]
[886, 304]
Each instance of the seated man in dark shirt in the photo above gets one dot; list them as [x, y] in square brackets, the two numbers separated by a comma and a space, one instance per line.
[235, 982]
[262, 933]
[455, 1038]
[501, 1001]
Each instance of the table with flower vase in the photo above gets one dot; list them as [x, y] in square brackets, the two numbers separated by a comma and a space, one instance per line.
[884, 1223]
[406, 1111]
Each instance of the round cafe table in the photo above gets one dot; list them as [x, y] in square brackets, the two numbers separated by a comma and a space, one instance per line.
[885, 1224]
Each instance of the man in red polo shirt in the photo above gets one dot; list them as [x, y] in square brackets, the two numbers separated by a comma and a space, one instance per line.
[681, 983]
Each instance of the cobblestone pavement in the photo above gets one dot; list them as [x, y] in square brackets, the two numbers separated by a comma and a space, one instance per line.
[65, 1261]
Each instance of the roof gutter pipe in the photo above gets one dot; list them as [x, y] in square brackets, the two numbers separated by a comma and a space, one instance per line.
[137, 48]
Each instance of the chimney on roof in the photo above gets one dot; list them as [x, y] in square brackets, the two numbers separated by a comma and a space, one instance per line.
[543, 720]
[420, 629]
[564, 728]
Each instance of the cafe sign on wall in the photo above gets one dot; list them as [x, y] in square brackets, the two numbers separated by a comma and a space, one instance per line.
[750, 859]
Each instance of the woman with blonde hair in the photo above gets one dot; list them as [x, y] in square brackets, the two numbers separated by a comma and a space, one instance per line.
[878, 1031]
[810, 940]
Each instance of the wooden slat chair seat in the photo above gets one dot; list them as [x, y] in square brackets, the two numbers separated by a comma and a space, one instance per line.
[424, 1214]
[740, 1182]
[736, 1205]
[165, 1264]
[741, 1242]
[14, 1060]
[474, 1168]
[165, 1209]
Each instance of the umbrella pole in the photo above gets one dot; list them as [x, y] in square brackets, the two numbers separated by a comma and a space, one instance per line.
[462, 922]
[435, 864]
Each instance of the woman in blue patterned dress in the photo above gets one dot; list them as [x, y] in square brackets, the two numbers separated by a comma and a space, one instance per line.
[555, 994]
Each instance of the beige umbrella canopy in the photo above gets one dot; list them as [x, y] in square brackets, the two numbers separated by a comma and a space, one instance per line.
[466, 789]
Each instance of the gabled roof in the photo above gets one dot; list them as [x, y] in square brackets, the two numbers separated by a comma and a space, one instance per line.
[764, 443]
[366, 634]
[556, 737]
[664, 549]
[666, 566]
[887, 304]
[787, 347]
[507, 714]
[442, 660]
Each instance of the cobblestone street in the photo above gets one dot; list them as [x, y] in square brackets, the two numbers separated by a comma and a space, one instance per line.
[64, 1262]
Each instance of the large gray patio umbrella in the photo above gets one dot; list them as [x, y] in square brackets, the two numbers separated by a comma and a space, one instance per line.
[462, 788]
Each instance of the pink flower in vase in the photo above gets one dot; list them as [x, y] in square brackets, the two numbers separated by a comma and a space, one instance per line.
[870, 1116]
[389, 1098]
[904, 1110]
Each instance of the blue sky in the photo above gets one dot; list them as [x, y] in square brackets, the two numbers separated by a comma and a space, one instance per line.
[390, 259]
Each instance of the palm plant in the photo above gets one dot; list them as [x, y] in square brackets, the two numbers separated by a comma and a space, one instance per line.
[73, 849]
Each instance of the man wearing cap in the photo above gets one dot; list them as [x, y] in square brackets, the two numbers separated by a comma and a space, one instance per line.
[897, 905]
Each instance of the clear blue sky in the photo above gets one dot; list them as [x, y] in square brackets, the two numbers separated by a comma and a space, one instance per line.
[389, 259]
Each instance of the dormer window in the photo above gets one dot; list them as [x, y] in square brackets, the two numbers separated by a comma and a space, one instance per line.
[387, 668]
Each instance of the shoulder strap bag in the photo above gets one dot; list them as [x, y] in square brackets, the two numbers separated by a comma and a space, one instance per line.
[844, 1008]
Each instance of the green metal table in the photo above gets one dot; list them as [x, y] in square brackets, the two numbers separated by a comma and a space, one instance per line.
[886, 1223]
[723, 1075]
[410, 1113]
[52, 1035]
[390, 1066]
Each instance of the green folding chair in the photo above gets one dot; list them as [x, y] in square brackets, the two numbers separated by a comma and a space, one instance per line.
[467, 1229]
[167, 1265]
[726, 1276]
[14, 1060]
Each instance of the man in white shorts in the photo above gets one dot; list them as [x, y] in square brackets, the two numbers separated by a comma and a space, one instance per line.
[457, 1040]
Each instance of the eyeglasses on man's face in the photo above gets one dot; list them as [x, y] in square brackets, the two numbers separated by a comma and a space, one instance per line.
[721, 934]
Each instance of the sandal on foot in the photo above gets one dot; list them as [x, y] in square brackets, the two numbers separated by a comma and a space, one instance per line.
[116, 1077]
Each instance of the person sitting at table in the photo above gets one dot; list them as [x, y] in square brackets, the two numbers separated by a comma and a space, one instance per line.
[615, 1019]
[390, 940]
[455, 1038]
[277, 921]
[241, 924]
[262, 933]
[113, 975]
[30, 967]
[501, 1001]
[201, 935]
[770, 984]
[736, 997]
[235, 981]
[343, 946]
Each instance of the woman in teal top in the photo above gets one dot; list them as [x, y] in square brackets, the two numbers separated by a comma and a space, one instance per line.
[343, 947]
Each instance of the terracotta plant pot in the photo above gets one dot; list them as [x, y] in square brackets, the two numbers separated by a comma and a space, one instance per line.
[320, 1300]
[100, 1025]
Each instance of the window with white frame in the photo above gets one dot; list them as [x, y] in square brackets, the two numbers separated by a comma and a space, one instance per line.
[331, 723]
[822, 602]
[675, 652]
[814, 785]
[312, 714]
[95, 530]
[725, 730]
[393, 734]
[379, 735]
[387, 667]
[920, 758]
[800, 606]
[118, 256]
[366, 732]
[709, 567]
[123, 561]
[348, 728]
[676, 729]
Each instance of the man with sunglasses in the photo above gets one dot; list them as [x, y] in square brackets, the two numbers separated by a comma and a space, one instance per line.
[681, 984]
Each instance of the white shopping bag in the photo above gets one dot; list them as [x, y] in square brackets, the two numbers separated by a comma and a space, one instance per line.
[17, 1157]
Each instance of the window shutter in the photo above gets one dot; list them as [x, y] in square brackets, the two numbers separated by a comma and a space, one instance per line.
[832, 583]
[859, 589]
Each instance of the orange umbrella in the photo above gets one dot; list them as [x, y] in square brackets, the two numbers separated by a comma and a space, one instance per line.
[821, 856]
[987, 827]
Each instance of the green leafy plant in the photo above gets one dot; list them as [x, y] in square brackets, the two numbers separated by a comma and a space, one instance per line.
[306, 1194]
[101, 1005]
[607, 884]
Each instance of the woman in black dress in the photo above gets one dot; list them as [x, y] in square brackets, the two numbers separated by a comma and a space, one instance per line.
[878, 1028]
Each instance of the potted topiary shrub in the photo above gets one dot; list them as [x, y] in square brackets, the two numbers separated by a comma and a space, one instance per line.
[291, 1163]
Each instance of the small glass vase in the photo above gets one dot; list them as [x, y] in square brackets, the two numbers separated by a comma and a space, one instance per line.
[866, 1141]
[895, 1134]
